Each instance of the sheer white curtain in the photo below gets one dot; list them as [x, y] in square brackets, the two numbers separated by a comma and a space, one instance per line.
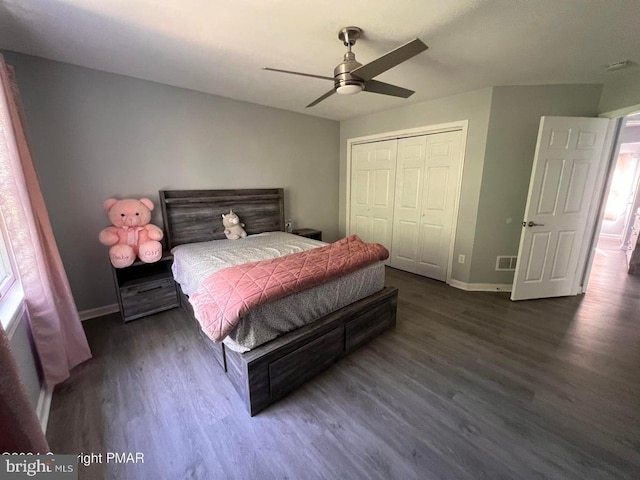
[55, 325]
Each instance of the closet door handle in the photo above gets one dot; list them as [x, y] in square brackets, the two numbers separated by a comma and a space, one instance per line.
[532, 224]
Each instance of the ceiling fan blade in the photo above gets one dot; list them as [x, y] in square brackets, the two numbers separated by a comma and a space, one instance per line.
[374, 86]
[318, 100]
[298, 73]
[390, 60]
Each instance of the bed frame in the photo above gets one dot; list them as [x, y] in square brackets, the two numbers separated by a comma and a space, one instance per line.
[274, 369]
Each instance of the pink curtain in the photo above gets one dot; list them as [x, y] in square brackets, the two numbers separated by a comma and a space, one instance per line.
[55, 324]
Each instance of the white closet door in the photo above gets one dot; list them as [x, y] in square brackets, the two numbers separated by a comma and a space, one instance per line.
[373, 179]
[426, 192]
[408, 207]
[439, 195]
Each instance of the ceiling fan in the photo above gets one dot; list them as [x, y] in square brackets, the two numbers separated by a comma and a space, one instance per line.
[351, 77]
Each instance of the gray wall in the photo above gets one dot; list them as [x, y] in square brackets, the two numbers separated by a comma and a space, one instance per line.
[511, 142]
[503, 127]
[621, 91]
[95, 135]
[471, 106]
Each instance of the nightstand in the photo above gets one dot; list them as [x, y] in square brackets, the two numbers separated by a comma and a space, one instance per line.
[146, 288]
[308, 233]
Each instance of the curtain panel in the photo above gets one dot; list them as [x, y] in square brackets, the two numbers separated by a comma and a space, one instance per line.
[55, 325]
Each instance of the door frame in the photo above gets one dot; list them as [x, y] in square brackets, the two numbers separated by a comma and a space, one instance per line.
[461, 125]
[613, 148]
[587, 255]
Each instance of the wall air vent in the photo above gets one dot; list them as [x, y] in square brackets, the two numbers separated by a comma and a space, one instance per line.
[506, 263]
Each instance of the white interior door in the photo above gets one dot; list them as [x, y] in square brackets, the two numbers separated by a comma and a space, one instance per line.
[373, 179]
[569, 155]
[408, 205]
[426, 192]
[439, 195]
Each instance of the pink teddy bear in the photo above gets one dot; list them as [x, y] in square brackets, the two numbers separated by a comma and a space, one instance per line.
[131, 235]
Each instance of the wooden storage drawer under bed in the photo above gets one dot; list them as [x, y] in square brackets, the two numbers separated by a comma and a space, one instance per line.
[270, 371]
[292, 370]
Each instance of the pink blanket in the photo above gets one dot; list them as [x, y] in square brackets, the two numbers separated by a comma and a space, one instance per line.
[228, 294]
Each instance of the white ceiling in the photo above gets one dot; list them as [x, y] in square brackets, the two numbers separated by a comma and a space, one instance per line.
[219, 47]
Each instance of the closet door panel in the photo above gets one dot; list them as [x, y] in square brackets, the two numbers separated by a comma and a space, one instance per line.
[409, 195]
[430, 256]
[380, 231]
[406, 215]
[383, 189]
[360, 226]
[407, 248]
[436, 186]
[361, 188]
[439, 191]
[373, 178]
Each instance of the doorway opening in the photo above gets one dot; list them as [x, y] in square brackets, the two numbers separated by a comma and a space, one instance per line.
[618, 234]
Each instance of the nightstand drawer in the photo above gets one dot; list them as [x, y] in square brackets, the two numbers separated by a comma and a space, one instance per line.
[148, 297]
[311, 233]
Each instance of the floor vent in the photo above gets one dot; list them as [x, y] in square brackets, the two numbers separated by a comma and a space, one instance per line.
[506, 263]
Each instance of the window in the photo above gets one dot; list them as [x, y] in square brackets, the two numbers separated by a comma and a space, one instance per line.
[10, 289]
[7, 272]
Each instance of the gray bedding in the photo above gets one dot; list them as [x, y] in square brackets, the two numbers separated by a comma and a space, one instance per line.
[194, 262]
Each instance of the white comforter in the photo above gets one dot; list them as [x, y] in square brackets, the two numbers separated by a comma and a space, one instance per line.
[194, 262]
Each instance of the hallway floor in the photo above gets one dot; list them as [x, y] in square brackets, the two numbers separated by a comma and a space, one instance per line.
[609, 271]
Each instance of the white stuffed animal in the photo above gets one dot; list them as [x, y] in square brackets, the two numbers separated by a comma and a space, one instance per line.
[232, 226]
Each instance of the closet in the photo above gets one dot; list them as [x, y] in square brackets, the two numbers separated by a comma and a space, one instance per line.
[403, 194]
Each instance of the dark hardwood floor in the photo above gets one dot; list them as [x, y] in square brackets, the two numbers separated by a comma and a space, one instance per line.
[468, 385]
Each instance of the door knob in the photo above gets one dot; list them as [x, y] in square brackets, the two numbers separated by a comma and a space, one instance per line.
[532, 224]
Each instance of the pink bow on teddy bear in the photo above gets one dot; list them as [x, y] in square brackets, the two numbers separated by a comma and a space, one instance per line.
[131, 235]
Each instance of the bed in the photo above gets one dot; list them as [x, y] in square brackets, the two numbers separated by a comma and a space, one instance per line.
[265, 373]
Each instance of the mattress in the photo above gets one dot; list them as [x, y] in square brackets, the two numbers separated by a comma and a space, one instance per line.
[194, 262]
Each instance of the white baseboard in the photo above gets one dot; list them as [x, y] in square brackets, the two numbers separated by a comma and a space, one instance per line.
[98, 312]
[44, 404]
[481, 287]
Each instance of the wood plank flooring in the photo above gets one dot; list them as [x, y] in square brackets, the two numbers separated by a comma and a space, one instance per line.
[469, 385]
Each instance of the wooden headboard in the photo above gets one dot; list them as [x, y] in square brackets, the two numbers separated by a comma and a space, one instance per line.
[196, 215]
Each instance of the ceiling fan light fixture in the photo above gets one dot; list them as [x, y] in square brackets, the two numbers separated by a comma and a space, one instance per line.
[351, 89]
[351, 77]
